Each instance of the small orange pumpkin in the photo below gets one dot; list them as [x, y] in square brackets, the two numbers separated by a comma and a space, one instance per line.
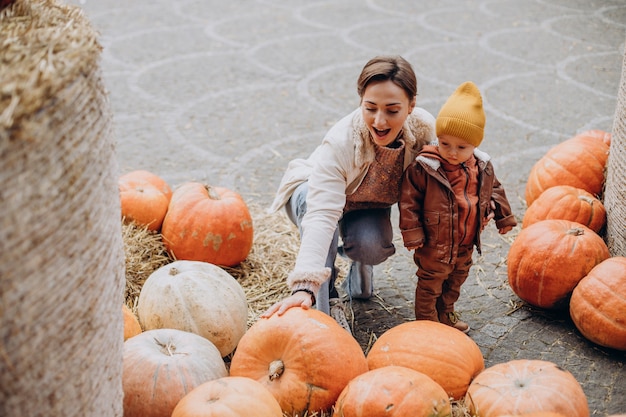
[547, 259]
[303, 357]
[567, 203]
[162, 366]
[230, 396]
[131, 323]
[598, 304]
[451, 358]
[208, 224]
[578, 161]
[525, 386]
[393, 391]
[144, 198]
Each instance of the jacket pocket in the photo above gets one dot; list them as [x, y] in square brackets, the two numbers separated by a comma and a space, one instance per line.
[431, 227]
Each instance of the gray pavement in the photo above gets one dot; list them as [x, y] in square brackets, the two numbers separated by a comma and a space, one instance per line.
[227, 92]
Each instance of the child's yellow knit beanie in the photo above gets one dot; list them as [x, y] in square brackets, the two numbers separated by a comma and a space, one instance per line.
[463, 115]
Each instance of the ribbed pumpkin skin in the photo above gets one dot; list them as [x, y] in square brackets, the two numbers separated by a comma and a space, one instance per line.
[162, 366]
[578, 161]
[303, 357]
[231, 396]
[598, 304]
[565, 202]
[451, 358]
[131, 324]
[547, 260]
[208, 224]
[526, 386]
[393, 391]
[144, 198]
[196, 297]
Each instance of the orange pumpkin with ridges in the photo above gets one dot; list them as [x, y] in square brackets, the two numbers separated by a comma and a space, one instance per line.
[567, 203]
[393, 391]
[208, 224]
[578, 161]
[303, 357]
[131, 323]
[230, 396]
[525, 386]
[598, 304]
[548, 259]
[144, 198]
[450, 357]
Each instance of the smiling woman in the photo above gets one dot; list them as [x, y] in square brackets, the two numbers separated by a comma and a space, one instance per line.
[347, 186]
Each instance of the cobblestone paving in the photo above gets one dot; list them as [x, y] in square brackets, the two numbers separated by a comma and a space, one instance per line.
[228, 92]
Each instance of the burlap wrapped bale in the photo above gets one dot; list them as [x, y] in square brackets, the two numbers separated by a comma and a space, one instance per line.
[61, 252]
[615, 186]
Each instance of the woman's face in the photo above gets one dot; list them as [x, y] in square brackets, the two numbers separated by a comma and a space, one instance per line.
[455, 150]
[385, 107]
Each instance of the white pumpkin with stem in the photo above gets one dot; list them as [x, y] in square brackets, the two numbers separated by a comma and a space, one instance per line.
[196, 297]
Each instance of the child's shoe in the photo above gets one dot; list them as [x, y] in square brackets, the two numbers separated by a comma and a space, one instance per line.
[452, 320]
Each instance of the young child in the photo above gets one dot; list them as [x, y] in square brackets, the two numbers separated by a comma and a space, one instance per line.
[449, 193]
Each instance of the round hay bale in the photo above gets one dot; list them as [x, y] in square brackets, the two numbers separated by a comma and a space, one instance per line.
[61, 253]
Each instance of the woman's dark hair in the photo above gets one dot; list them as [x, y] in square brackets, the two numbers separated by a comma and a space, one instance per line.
[393, 68]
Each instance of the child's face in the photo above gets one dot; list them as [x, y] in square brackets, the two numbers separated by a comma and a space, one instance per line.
[455, 150]
[385, 106]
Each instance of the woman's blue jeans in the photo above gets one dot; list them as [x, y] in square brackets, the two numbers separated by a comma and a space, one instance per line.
[367, 240]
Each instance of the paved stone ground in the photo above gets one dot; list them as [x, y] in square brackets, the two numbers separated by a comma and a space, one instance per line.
[227, 92]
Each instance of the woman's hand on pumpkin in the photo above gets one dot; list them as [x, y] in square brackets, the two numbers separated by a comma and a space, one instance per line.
[298, 299]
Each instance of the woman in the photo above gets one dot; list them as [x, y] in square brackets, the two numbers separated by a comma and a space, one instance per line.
[347, 187]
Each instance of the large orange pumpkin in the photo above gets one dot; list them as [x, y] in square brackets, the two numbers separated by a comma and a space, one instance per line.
[196, 297]
[303, 357]
[131, 324]
[393, 391]
[567, 203]
[450, 357]
[162, 366]
[209, 224]
[526, 386]
[598, 304]
[144, 198]
[231, 396]
[547, 259]
[578, 161]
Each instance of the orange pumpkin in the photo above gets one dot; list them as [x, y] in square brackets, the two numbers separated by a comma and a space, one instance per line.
[567, 203]
[393, 391]
[538, 414]
[231, 396]
[144, 198]
[303, 357]
[451, 358]
[525, 386]
[578, 161]
[598, 304]
[162, 366]
[131, 324]
[547, 259]
[209, 224]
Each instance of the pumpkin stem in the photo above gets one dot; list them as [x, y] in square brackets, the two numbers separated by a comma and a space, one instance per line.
[576, 231]
[213, 195]
[173, 271]
[167, 348]
[277, 368]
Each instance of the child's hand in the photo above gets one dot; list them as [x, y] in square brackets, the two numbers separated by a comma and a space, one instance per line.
[505, 230]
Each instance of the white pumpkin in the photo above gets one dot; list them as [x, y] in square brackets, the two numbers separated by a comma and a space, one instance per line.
[161, 366]
[196, 297]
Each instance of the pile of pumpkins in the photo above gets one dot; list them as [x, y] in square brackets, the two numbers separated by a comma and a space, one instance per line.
[559, 259]
[188, 351]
